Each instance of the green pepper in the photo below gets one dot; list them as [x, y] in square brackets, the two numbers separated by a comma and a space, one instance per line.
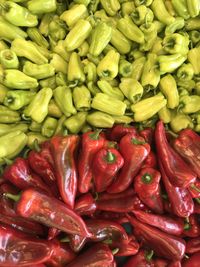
[147, 108]
[57, 29]
[143, 2]
[86, 128]
[83, 49]
[170, 8]
[81, 98]
[141, 15]
[120, 42]
[57, 64]
[75, 71]
[185, 72]
[54, 110]
[176, 43]
[38, 107]
[9, 59]
[178, 24]
[164, 114]
[63, 98]
[48, 127]
[123, 119]
[194, 37]
[43, 50]
[76, 122]
[48, 82]
[3, 45]
[8, 116]
[61, 79]
[127, 8]
[40, 7]
[180, 7]
[16, 99]
[132, 89]
[137, 68]
[33, 137]
[18, 15]
[77, 34]
[9, 31]
[107, 88]
[157, 47]
[159, 26]
[98, 44]
[150, 35]
[193, 7]
[189, 104]
[130, 30]
[44, 23]
[168, 87]
[36, 36]
[108, 66]
[108, 104]
[38, 71]
[194, 59]
[180, 122]
[27, 49]
[35, 126]
[100, 119]
[7, 128]
[111, 6]
[72, 15]
[60, 127]
[125, 68]
[16, 79]
[93, 88]
[3, 92]
[161, 13]
[90, 71]
[18, 139]
[192, 24]
[150, 75]
[189, 85]
[169, 63]
[61, 50]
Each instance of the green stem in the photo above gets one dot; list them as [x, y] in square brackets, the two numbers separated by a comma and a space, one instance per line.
[65, 240]
[146, 178]
[36, 145]
[8, 161]
[114, 251]
[149, 255]
[197, 200]
[137, 142]
[110, 157]
[13, 197]
[95, 135]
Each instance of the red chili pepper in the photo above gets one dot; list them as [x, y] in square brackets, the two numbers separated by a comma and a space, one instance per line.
[164, 245]
[134, 150]
[159, 262]
[193, 261]
[193, 245]
[108, 196]
[151, 161]
[120, 130]
[49, 211]
[19, 174]
[147, 134]
[91, 143]
[142, 258]
[77, 242]
[180, 198]
[106, 163]
[98, 255]
[187, 144]
[147, 186]
[173, 226]
[46, 152]
[85, 205]
[20, 249]
[192, 227]
[194, 189]
[128, 249]
[175, 167]
[175, 264]
[64, 151]
[6, 205]
[109, 215]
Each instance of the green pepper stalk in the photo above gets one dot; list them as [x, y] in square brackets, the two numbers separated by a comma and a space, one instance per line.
[176, 43]
[150, 35]
[111, 6]
[63, 98]
[48, 127]
[194, 37]
[180, 7]
[142, 15]
[120, 42]
[137, 68]
[16, 99]
[185, 72]
[107, 88]
[180, 121]
[61, 50]
[36, 36]
[193, 7]
[78, 34]
[38, 107]
[143, 2]
[178, 24]
[74, 14]
[75, 71]
[125, 68]
[8, 116]
[194, 59]
[132, 89]
[92, 7]
[58, 64]
[81, 98]
[40, 7]
[57, 29]
[161, 13]
[165, 114]
[76, 122]
[44, 23]
[62, 5]
[192, 24]
[35, 137]
[108, 66]
[9, 59]
[38, 71]
[189, 104]
[100, 119]
[54, 110]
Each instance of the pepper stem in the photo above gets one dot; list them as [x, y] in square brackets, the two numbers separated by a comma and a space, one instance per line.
[8, 161]
[65, 239]
[10, 99]
[13, 197]
[197, 200]
[95, 135]
[146, 178]
[137, 142]
[114, 251]
[149, 255]
[110, 157]
[36, 145]
[106, 73]
[73, 84]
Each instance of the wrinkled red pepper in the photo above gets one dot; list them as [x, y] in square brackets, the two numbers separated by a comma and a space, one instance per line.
[164, 245]
[180, 198]
[142, 258]
[49, 211]
[147, 186]
[173, 226]
[106, 163]
[192, 227]
[193, 245]
[134, 150]
[53, 233]
[176, 169]
[119, 130]
[147, 134]
[64, 153]
[85, 205]
[91, 143]
[77, 242]
[193, 261]
[127, 249]
[151, 161]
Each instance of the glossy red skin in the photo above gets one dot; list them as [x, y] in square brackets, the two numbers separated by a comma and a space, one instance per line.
[64, 153]
[175, 264]
[128, 249]
[46, 152]
[50, 212]
[151, 161]
[193, 245]
[158, 262]
[194, 227]
[164, 245]
[85, 204]
[139, 260]
[7, 205]
[53, 233]
[196, 208]
[120, 130]
[148, 135]
[175, 167]
[108, 196]
[134, 155]
[193, 261]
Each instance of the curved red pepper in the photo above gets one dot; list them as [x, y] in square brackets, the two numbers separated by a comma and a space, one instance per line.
[193, 245]
[193, 261]
[134, 150]
[147, 186]
[85, 205]
[119, 130]
[192, 227]
[140, 259]
[64, 152]
[175, 167]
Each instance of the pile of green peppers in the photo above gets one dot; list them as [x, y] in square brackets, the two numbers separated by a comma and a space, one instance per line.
[69, 67]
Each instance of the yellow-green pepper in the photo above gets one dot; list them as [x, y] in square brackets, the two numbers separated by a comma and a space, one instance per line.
[132, 89]
[108, 89]
[75, 73]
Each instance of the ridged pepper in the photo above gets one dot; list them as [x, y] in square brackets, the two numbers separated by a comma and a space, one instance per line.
[119, 130]
[58, 64]
[141, 15]
[132, 89]
[61, 51]
[169, 63]
[36, 36]
[161, 13]
[75, 73]
[193, 245]
[38, 107]
[176, 43]
[3, 92]
[143, 2]
[165, 115]
[34, 137]
[189, 104]
[192, 24]
[111, 7]
[49, 126]
[107, 89]
[54, 110]
[9, 59]
[194, 37]
[150, 35]
[120, 42]
[127, 7]
[194, 58]
[90, 71]
[181, 9]
[57, 29]
[128, 249]
[38, 7]
[85, 205]
[100, 119]
[125, 68]
[38, 71]
[76, 122]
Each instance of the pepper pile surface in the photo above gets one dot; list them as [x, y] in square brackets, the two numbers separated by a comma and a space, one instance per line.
[93, 199]
[72, 67]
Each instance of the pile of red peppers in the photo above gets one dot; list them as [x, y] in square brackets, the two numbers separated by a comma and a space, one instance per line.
[88, 200]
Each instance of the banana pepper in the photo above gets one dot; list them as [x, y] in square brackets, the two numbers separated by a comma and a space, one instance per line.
[57, 29]
[75, 73]
[108, 89]
[127, 8]
[180, 121]
[161, 13]
[141, 15]
[38, 71]
[125, 68]
[54, 110]
[81, 98]
[132, 89]
[189, 104]
[176, 43]
[7, 128]
[111, 6]
[192, 24]
[164, 114]
[100, 119]
[185, 72]
[61, 50]
[40, 7]
[193, 7]
[194, 59]
[137, 68]
[49, 127]
[8, 116]
[178, 24]
[3, 92]
[194, 37]
[90, 71]
[180, 7]
[143, 2]
[120, 42]
[76, 122]
[36, 36]
[150, 35]
[57, 64]
[9, 59]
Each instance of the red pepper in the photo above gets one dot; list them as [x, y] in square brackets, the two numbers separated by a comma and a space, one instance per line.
[193, 261]
[19, 174]
[6, 205]
[109, 215]
[192, 227]
[164, 245]
[64, 152]
[193, 245]
[77, 242]
[119, 130]
[53, 233]
[194, 189]
[128, 249]
[187, 144]
[46, 152]
[159, 262]
[151, 161]
[180, 199]
[85, 205]
[142, 258]
[197, 208]
[175, 167]
[106, 163]
[91, 143]
[148, 135]
[98, 255]
[49, 211]
[19, 249]
[147, 186]
[175, 264]
[173, 226]
[107, 196]
[134, 150]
